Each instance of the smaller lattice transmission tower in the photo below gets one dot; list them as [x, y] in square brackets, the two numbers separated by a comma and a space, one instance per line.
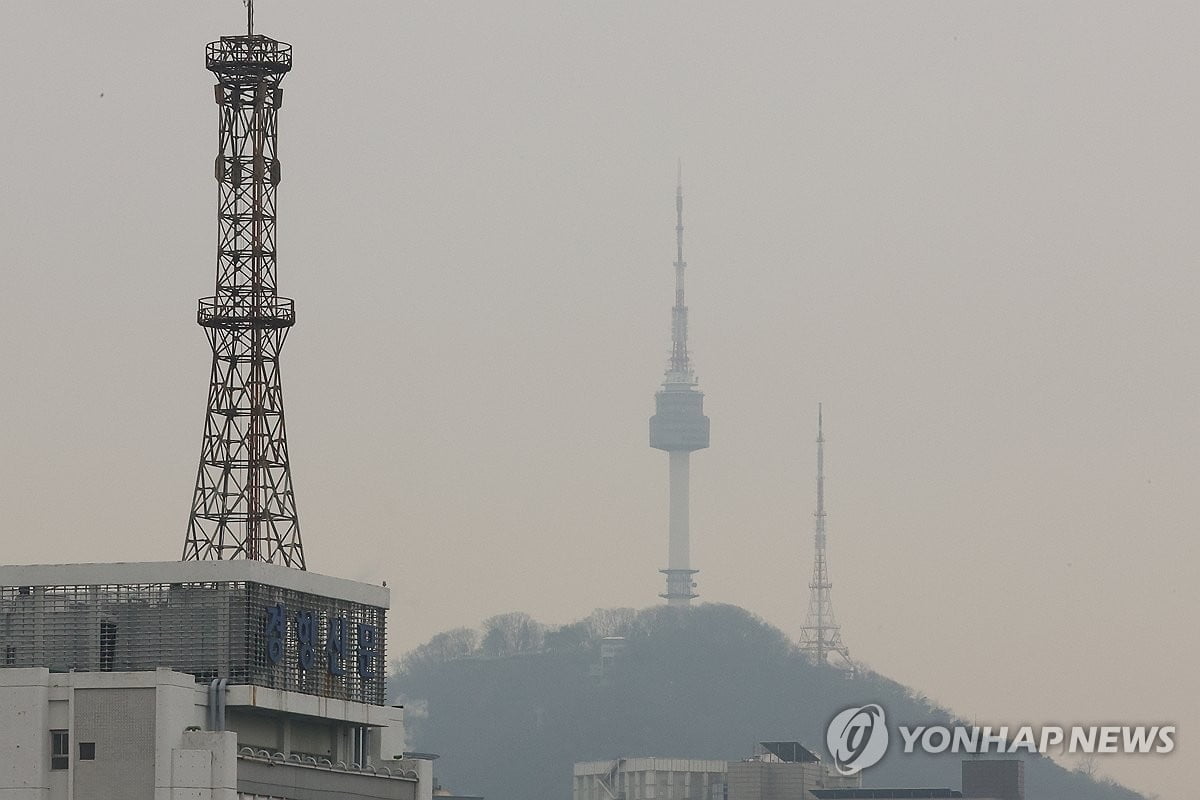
[821, 636]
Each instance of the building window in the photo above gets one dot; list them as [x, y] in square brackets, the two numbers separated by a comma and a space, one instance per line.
[87, 751]
[60, 750]
[108, 645]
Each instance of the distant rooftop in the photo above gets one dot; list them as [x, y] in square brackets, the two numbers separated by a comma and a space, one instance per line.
[127, 573]
[790, 752]
[881, 794]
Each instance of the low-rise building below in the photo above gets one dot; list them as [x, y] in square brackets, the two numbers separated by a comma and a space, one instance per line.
[200, 680]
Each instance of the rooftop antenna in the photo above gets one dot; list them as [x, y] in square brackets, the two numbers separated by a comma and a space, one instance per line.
[249, 17]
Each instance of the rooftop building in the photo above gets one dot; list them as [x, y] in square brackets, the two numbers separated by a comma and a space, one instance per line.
[233, 679]
[777, 771]
[650, 779]
[982, 779]
[783, 771]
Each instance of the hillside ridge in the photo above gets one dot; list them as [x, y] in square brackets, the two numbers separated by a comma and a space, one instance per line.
[512, 705]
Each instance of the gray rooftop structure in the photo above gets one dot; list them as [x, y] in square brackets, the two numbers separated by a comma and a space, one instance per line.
[249, 622]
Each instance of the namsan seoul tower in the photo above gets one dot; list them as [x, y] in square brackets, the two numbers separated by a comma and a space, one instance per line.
[679, 427]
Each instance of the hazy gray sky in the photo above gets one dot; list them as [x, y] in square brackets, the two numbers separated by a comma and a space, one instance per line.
[968, 228]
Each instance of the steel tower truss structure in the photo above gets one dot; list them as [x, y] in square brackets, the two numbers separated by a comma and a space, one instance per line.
[821, 636]
[243, 505]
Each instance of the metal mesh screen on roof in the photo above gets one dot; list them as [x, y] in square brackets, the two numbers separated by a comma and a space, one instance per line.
[250, 633]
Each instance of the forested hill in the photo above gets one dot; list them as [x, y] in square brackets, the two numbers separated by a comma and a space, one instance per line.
[512, 706]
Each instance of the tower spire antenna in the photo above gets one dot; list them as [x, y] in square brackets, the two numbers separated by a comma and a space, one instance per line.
[680, 368]
[249, 17]
[679, 427]
[679, 223]
[821, 636]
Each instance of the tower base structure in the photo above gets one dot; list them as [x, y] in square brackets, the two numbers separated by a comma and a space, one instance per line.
[681, 588]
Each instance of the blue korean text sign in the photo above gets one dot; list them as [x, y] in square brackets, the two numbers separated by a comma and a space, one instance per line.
[328, 640]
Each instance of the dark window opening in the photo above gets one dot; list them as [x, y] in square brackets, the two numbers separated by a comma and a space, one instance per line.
[87, 751]
[108, 645]
[60, 750]
[10, 656]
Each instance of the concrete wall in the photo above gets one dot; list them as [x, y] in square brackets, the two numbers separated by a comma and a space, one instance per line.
[260, 731]
[312, 738]
[203, 767]
[150, 745]
[24, 734]
[179, 704]
[296, 782]
[119, 724]
[423, 767]
[131, 718]
[773, 780]
[649, 779]
[391, 740]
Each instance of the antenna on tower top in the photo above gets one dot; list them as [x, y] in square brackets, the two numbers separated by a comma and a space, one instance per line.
[249, 17]
[679, 370]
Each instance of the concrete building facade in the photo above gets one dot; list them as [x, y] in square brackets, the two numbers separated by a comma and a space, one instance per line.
[650, 779]
[777, 771]
[783, 771]
[982, 779]
[761, 779]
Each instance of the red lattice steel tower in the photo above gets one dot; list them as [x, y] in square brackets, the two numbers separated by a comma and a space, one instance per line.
[244, 506]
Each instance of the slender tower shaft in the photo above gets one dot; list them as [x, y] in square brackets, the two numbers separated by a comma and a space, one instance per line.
[821, 636]
[678, 539]
[243, 506]
[679, 427]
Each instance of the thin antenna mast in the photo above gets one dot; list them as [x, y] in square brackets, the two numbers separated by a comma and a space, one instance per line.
[249, 17]
[681, 367]
[821, 635]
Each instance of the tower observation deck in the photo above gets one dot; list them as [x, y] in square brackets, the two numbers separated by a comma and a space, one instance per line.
[679, 427]
[243, 506]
